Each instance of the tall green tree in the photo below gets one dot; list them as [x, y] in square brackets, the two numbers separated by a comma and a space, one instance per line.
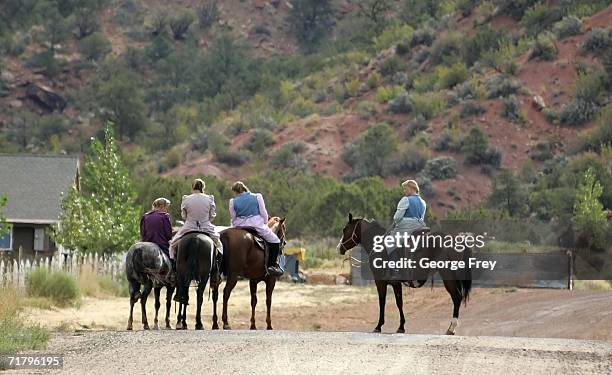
[508, 194]
[589, 216]
[102, 216]
[311, 21]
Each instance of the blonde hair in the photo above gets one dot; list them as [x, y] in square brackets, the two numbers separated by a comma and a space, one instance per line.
[413, 184]
[239, 187]
[198, 184]
[161, 202]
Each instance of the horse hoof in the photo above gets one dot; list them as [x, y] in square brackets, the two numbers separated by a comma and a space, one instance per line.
[215, 327]
[199, 327]
[269, 328]
[376, 330]
[401, 330]
[129, 328]
[145, 327]
[227, 327]
[253, 328]
[450, 333]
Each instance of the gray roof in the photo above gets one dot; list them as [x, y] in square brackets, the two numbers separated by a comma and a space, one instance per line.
[34, 186]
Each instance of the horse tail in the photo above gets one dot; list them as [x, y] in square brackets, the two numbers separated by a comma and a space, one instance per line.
[192, 260]
[134, 264]
[465, 284]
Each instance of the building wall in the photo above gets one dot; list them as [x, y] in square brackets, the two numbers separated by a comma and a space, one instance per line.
[23, 235]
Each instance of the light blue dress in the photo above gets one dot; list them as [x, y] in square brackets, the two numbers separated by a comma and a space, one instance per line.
[409, 216]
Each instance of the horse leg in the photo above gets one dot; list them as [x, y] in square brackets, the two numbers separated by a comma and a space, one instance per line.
[399, 301]
[270, 283]
[156, 292]
[215, 297]
[200, 300]
[134, 288]
[381, 288]
[253, 287]
[453, 290]
[143, 303]
[181, 318]
[230, 283]
[169, 292]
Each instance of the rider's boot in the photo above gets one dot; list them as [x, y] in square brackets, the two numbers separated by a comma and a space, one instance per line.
[273, 268]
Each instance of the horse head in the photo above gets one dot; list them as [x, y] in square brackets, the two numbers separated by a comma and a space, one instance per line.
[277, 225]
[351, 234]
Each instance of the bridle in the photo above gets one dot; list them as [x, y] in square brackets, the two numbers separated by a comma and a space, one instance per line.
[353, 238]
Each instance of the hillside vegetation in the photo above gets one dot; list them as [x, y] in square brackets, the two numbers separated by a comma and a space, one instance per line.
[496, 107]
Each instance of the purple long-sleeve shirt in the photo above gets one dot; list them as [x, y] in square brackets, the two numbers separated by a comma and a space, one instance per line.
[155, 227]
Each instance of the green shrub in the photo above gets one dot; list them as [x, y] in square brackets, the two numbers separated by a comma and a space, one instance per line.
[374, 80]
[289, 156]
[400, 104]
[393, 34]
[541, 151]
[428, 104]
[369, 153]
[471, 108]
[366, 109]
[511, 109]
[475, 146]
[60, 287]
[387, 93]
[424, 36]
[419, 123]
[540, 17]
[180, 25]
[440, 168]
[95, 46]
[544, 48]
[597, 41]
[502, 86]
[576, 112]
[588, 87]
[260, 140]
[233, 158]
[449, 140]
[449, 77]
[568, 26]
[302, 107]
[447, 49]
[391, 66]
[599, 137]
[410, 160]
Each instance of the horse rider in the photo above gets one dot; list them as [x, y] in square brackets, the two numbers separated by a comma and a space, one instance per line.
[155, 225]
[248, 210]
[409, 215]
[198, 210]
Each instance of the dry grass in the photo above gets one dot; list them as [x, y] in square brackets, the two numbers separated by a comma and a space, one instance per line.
[600, 285]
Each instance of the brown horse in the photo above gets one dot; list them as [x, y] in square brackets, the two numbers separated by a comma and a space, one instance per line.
[242, 258]
[459, 290]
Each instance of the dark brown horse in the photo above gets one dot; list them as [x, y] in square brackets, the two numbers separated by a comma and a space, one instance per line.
[458, 286]
[243, 258]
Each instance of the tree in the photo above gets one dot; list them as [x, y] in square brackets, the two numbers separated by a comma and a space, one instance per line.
[208, 14]
[507, 194]
[589, 218]
[95, 46]
[124, 104]
[368, 154]
[102, 216]
[4, 226]
[375, 11]
[311, 20]
[180, 25]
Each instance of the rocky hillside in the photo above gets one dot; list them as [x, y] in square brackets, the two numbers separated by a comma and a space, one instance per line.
[450, 93]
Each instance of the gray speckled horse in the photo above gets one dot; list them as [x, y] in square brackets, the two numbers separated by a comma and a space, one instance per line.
[146, 265]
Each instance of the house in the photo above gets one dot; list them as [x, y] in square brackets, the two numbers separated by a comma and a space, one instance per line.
[34, 186]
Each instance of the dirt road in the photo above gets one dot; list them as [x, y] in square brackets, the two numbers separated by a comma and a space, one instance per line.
[286, 352]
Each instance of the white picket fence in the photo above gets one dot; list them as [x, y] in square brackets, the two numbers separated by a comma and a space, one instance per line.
[14, 273]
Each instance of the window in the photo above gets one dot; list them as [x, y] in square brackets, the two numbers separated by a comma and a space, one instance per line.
[6, 241]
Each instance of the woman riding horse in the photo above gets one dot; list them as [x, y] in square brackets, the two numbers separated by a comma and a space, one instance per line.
[248, 210]
[198, 210]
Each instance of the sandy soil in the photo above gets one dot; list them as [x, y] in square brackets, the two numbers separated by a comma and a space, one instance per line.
[282, 352]
[490, 312]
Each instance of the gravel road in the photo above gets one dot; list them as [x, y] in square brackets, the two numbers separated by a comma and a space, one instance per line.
[287, 352]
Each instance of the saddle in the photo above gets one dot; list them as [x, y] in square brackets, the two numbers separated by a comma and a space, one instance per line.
[259, 241]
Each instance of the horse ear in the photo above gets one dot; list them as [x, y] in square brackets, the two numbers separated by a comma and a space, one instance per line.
[282, 219]
[350, 217]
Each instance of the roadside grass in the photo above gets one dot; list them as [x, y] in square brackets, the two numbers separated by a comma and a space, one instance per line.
[599, 285]
[15, 335]
[59, 287]
[321, 254]
[101, 286]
